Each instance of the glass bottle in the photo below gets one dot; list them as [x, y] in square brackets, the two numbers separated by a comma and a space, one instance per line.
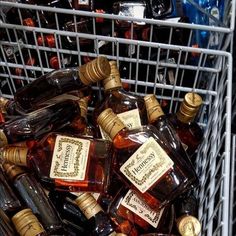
[27, 224]
[189, 132]
[8, 201]
[186, 207]
[130, 108]
[60, 81]
[36, 124]
[6, 227]
[33, 196]
[133, 216]
[84, 163]
[157, 118]
[145, 162]
[69, 212]
[99, 222]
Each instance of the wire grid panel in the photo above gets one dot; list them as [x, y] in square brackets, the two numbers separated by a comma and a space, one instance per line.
[167, 70]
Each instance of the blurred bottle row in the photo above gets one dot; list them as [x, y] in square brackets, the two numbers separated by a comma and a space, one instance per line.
[126, 169]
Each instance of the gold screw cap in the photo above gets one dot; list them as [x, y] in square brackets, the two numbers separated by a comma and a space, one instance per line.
[95, 70]
[12, 170]
[189, 226]
[88, 204]
[27, 224]
[110, 122]
[83, 104]
[3, 102]
[153, 107]
[114, 80]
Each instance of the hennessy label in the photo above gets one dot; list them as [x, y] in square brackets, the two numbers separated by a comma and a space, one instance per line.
[131, 119]
[69, 158]
[135, 204]
[147, 165]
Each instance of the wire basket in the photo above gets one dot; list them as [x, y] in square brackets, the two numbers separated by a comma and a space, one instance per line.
[165, 69]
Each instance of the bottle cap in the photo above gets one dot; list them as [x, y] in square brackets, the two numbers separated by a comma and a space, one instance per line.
[113, 81]
[12, 170]
[95, 70]
[153, 107]
[189, 107]
[189, 226]
[54, 63]
[88, 204]
[28, 22]
[27, 224]
[110, 122]
[83, 104]
[3, 139]
[3, 102]
[15, 154]
[50, 39]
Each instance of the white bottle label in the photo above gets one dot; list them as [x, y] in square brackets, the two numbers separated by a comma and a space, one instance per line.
[147, 165]
[70, 157]
[135, 204]
[131, 119]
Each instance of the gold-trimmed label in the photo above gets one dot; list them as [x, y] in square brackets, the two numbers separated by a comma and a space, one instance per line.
[147, 165]
[135, 204]
[131, 119]
[70, 158]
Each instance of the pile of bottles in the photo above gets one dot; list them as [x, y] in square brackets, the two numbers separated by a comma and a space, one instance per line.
[122, 168]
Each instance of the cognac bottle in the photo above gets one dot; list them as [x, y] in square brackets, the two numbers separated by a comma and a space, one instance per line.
[8, 201]
[38, 123]
[157, 118]
[33, 196]
[6, 228]
[100, 222]
[145, 162]
[186, 215]
[133, 216]
[60, 81]
[130, 108]
[27, 224]
[69, 212]
[84, 163]
[187, 129]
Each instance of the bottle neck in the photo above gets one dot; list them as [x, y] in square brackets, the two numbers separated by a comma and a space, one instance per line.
[185, 118]
[15, 155]
[154, 110]
[88, 205]
[110, 123]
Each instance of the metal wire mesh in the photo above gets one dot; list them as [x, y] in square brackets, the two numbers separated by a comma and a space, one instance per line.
[164, 68]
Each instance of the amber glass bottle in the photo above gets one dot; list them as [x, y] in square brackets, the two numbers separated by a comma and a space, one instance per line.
[36, 124]
[133, 216]
[186, 207]
[60, 81]
[188, 130]
[100, 222]
[33, 196]
[157, 118]
[145, 162]
[130, 108]
[84, 163]
[27, 224]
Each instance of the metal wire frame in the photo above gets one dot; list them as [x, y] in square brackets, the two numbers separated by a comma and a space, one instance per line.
[150, 75]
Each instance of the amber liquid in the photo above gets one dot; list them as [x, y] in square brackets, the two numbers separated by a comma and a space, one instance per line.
[170, 136]
[173, 183]
[120, 101]
[48, 86]
[97, 169]
[189, 133]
